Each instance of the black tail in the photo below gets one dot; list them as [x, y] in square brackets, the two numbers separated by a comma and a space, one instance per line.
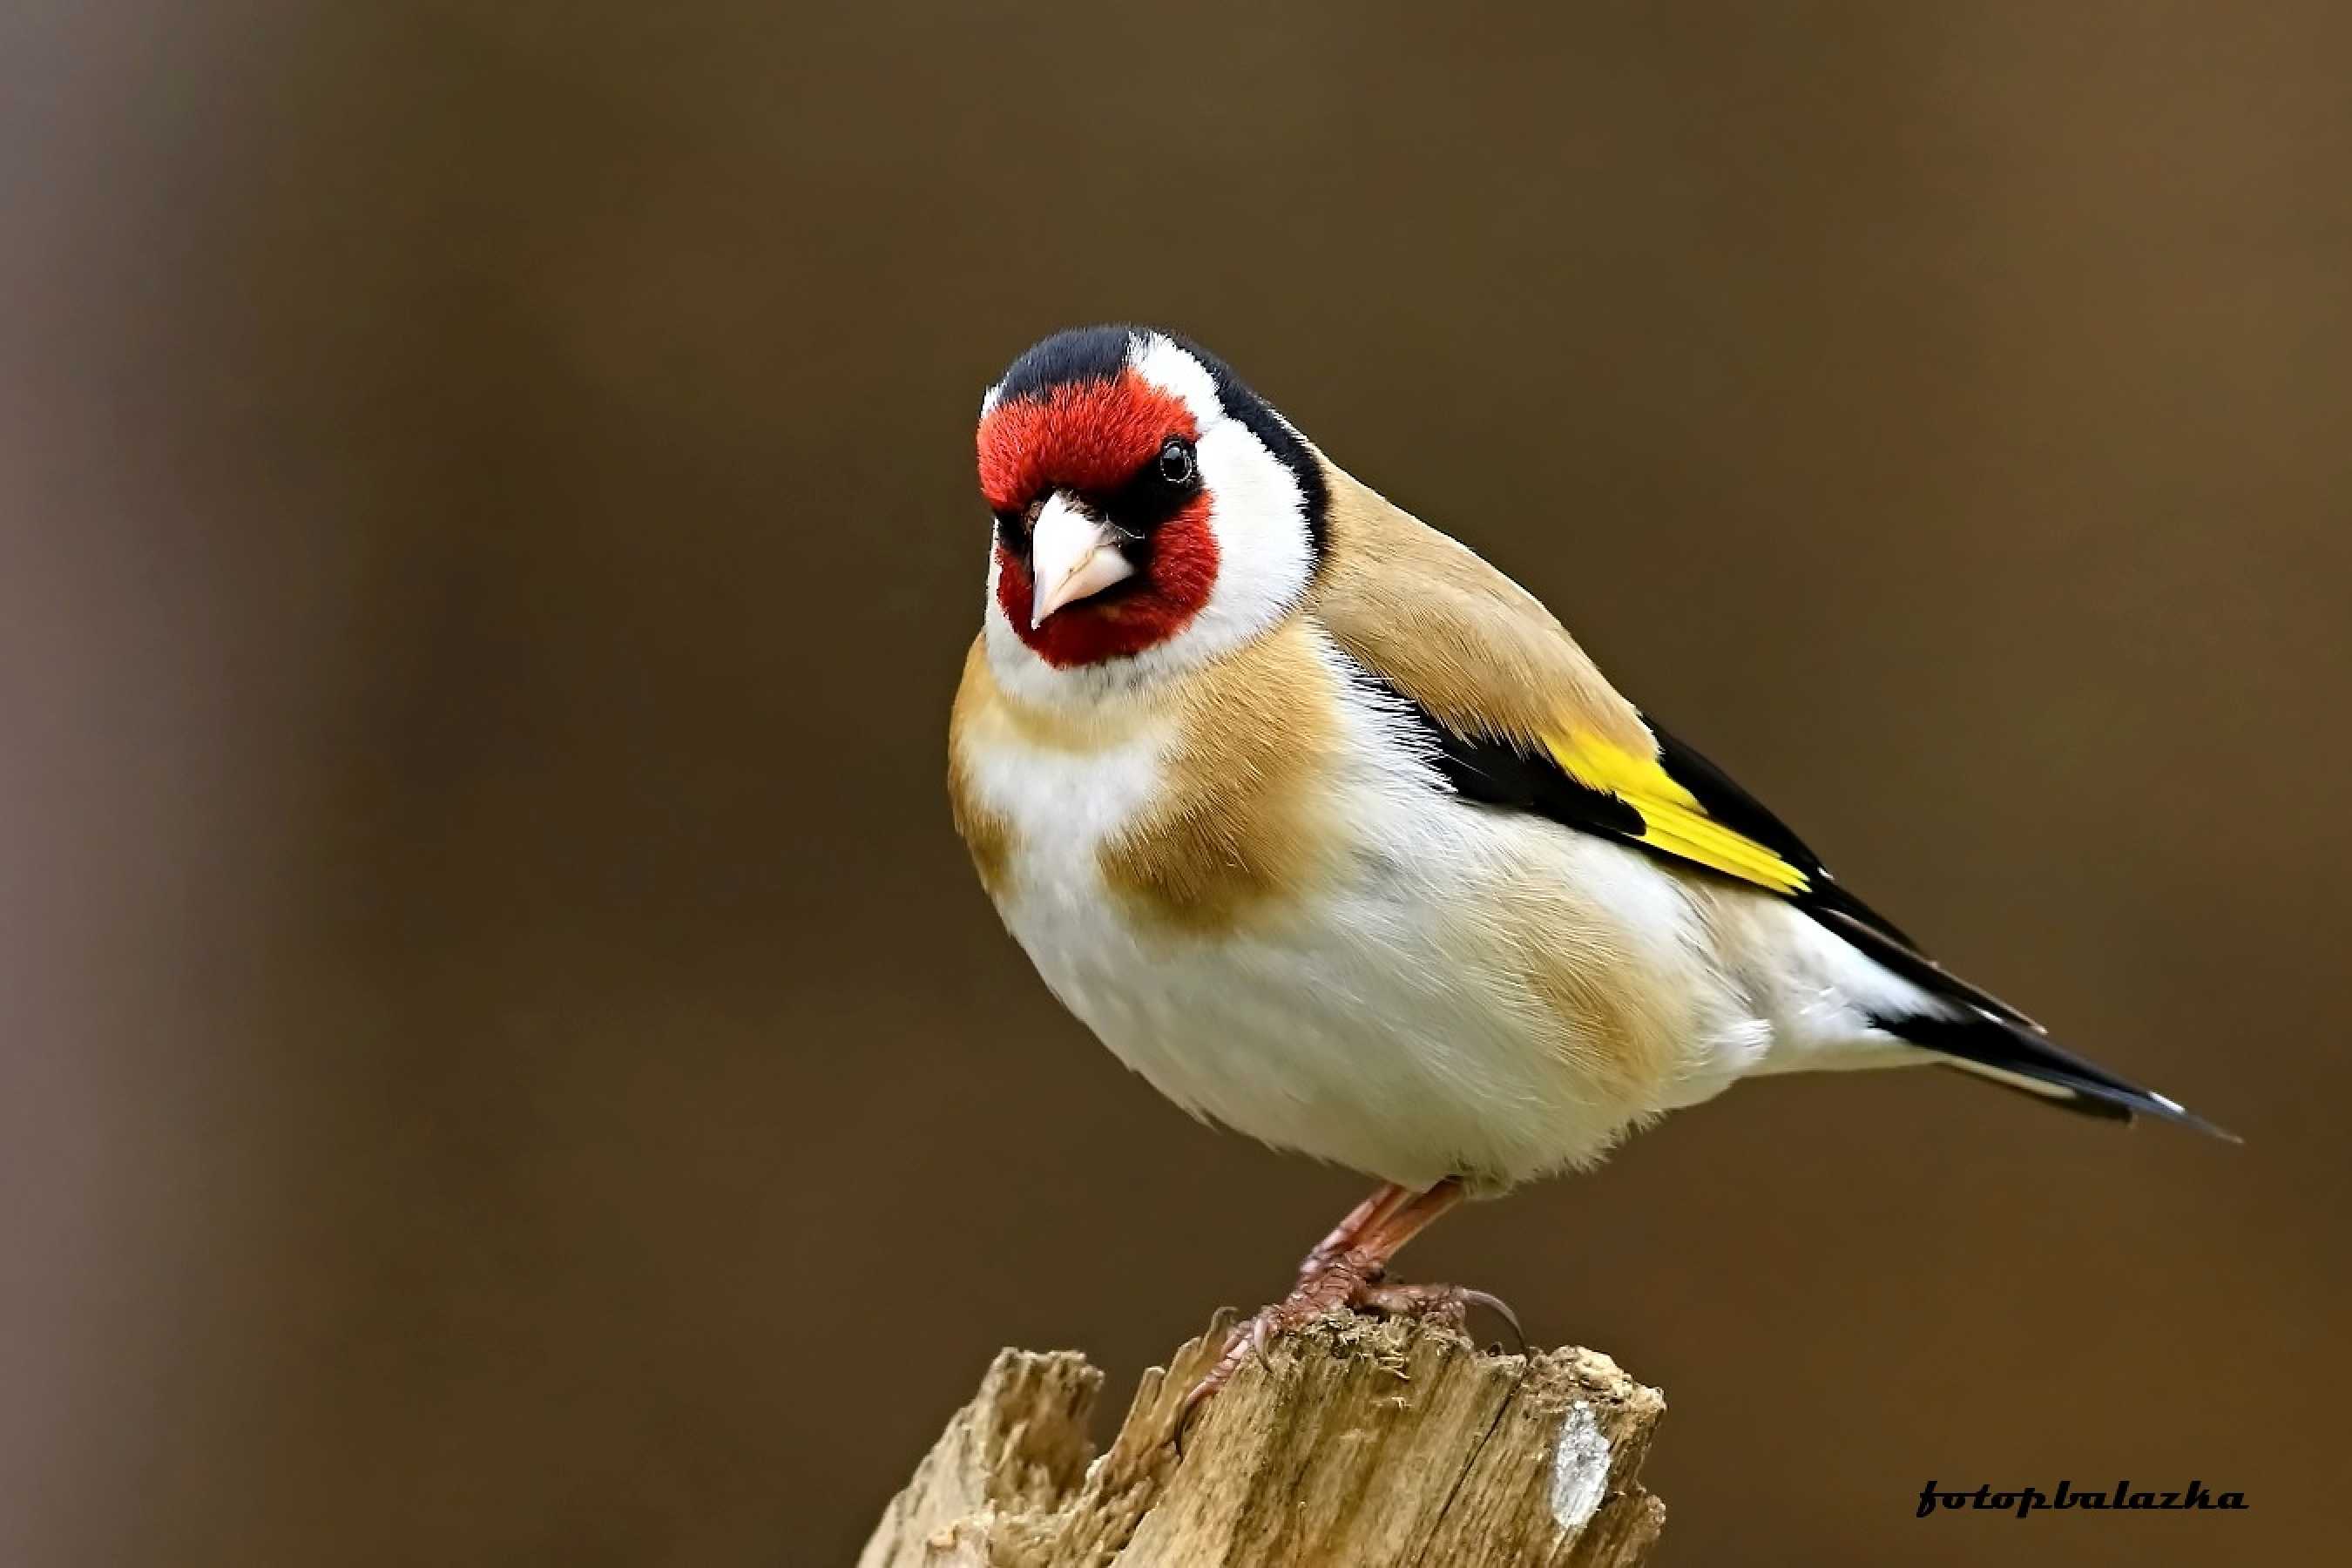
[1984, 1035]
[2021, 1057]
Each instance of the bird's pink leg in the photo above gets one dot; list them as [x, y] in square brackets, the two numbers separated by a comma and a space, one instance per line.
[1385, 1201]
[1349, 1268]
[1358, 1276]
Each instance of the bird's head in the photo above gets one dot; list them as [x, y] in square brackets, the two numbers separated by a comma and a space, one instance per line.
[1151, 511]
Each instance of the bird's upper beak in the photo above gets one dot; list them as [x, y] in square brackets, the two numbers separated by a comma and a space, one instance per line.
[1072, 556]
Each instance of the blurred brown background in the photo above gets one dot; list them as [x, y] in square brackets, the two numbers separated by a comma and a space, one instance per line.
[505, 1061]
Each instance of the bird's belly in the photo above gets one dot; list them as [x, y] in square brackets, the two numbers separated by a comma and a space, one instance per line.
[1370, 1024]
[1354, 963]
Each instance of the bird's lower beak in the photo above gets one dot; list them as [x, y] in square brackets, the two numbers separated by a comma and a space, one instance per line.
[1072, 556]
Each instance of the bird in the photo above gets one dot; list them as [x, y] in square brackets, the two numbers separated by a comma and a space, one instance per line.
[1330, 830]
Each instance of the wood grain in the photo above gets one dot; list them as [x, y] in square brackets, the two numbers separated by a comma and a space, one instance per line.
[1351, 1441]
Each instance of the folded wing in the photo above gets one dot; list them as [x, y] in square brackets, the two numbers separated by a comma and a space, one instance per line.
[1518, 718]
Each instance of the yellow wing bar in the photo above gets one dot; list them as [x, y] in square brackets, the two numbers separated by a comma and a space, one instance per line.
[1673, 820]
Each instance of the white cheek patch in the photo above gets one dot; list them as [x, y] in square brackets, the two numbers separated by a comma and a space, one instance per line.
[1258, 514]
[1157, 360]
[1259, 518]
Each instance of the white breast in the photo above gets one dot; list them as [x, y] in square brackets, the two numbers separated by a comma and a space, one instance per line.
[1378, 1022]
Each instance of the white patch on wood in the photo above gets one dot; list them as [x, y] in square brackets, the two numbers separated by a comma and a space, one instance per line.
[1580, 1469]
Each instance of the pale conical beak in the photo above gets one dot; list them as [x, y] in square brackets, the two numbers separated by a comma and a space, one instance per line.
[1071, 557]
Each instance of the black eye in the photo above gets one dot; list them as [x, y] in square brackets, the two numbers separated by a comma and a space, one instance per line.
[1176, 465]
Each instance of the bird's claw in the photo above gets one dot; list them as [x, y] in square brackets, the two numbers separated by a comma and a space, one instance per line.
[1350, 1280]
[1448, 1304]
[1310, 1300]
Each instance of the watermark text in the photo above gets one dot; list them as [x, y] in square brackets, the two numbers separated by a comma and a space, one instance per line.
[2030, 1500]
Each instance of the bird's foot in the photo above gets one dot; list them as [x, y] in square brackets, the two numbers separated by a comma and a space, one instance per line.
[1448, 1304]
[1332, 1287]
[1352, 1280]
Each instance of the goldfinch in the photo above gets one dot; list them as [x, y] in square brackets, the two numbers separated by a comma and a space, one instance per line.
[1330, 830]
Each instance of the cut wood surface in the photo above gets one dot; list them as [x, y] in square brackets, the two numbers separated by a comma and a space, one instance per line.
[1350, 1441]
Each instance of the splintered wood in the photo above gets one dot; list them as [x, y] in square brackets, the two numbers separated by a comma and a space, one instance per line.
[1350, 1441]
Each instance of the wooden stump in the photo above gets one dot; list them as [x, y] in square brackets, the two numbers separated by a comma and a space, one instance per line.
[1351, 1441]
